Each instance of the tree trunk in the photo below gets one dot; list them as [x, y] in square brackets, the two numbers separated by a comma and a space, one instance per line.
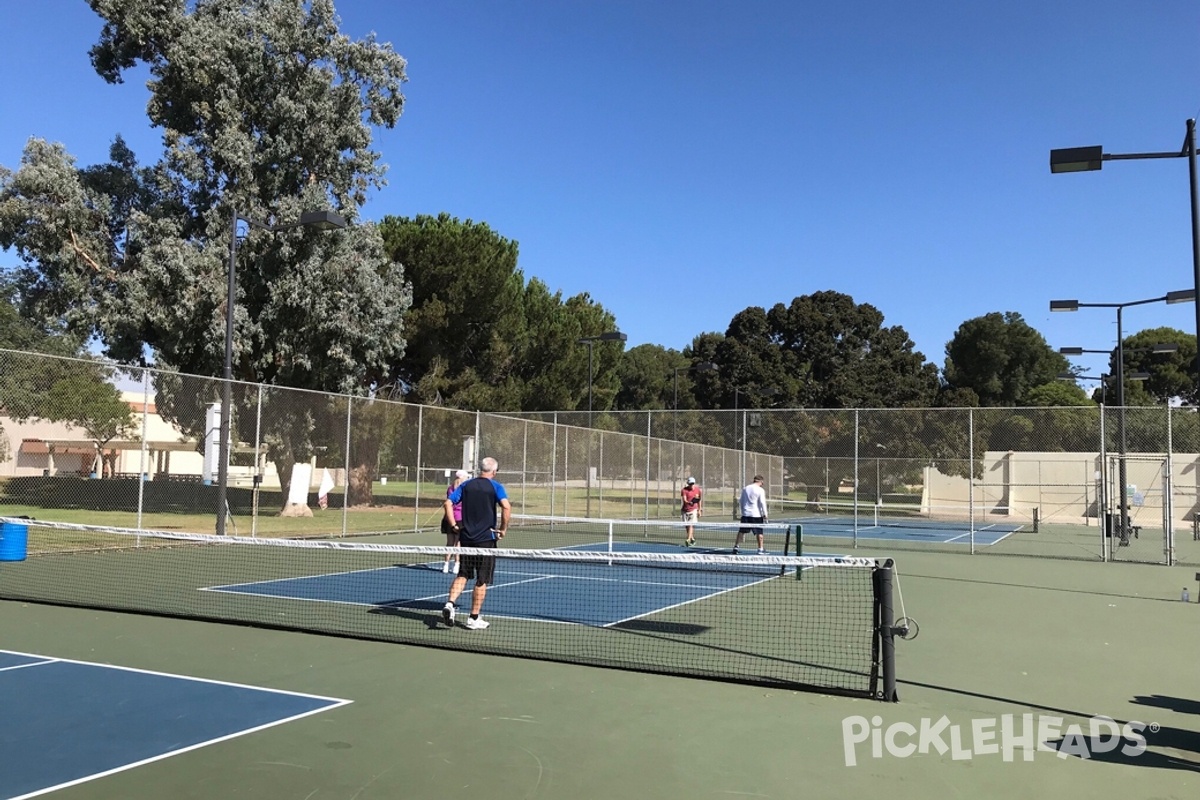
[361, 488]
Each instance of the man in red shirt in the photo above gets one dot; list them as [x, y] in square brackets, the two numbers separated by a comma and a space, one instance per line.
[692, 502]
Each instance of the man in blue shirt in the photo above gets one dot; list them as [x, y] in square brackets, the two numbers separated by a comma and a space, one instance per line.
[479, 498]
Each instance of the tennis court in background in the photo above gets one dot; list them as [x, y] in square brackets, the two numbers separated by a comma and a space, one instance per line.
[900, 524]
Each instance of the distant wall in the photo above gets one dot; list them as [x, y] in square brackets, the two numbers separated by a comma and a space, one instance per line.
[1065, 487]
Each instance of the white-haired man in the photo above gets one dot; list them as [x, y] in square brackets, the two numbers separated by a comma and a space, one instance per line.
[480, 498]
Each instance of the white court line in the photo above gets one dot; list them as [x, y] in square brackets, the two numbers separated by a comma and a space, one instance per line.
[622, 580]
[306, 577]
[334, 702]
[177, 676]
[431, 564]
[988, 543]
[1002, 538]
[393, 604]
[689, 602]
[31, 664]
[713, 592]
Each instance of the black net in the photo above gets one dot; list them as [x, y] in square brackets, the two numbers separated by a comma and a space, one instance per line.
[600, 535]
[770, 619]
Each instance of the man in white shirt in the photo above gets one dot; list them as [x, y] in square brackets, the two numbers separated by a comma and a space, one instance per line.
[754, 512]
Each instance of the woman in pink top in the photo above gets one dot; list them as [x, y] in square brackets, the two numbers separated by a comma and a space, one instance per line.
[451, 530]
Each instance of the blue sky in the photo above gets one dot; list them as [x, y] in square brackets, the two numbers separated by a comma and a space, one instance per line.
[681, 161]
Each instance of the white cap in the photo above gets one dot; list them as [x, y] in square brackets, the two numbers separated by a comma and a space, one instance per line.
[691, 481]
[462, 474]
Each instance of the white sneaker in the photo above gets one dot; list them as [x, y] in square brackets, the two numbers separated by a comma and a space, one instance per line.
[448, 614]
[453, 567]
[762, 552]
[477, 624]
[446, 566]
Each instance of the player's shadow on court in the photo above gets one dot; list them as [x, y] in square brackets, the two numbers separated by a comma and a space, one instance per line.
[427, 613]
[1104, 750]
[1181, 704]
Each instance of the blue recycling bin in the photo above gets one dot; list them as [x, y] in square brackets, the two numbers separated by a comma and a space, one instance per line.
[14, 538]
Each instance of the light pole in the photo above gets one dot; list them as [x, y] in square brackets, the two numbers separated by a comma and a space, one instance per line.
[1165, 347]
[1182, 296]
[1102, 511]
[322, 220]
[1088, 159]
[1102, 379]
[610, 336]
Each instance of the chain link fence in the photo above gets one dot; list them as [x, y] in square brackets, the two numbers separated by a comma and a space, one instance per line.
[85, 441]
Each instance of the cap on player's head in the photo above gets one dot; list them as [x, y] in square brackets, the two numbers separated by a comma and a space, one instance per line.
[462, 475]
[758, 478]
[691, 481]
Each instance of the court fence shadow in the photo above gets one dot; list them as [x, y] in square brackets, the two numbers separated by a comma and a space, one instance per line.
[1093, 748]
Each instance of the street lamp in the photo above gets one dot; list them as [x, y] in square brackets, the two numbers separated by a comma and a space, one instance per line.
[1164, 347]
[1183, 296]
[611, 336]
[322, 220]
[1102, 498]
[1087, 159]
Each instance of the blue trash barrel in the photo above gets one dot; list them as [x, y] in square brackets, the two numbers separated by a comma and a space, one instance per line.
[14, 538]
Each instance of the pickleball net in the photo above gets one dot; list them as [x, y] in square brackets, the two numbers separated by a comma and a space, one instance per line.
[709, 536]
[818, 623]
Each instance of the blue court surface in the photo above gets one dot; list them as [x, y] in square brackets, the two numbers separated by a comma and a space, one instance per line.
[593, 594]
[68, 722]
[931, 532]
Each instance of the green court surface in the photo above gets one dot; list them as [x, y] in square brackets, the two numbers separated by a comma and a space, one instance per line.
[997, 636]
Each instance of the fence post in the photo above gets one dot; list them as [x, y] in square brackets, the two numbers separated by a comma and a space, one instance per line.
[856, 437]
[346, 489]
[258, 466]
[649, 417]
[971, 473]
[143, 468]
[554, 463]
[1105, 554]
[1168, 499]
[417, 483]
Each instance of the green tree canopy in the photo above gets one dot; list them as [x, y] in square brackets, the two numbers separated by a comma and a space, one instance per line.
[648, 379]
[1171, 374]
[820, 351]
[480, 337]
[266, 110]
[1000, 358]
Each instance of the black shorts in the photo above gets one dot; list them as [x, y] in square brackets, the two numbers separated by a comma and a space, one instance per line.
[481, 568]
[448, 528]
[751, 521]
